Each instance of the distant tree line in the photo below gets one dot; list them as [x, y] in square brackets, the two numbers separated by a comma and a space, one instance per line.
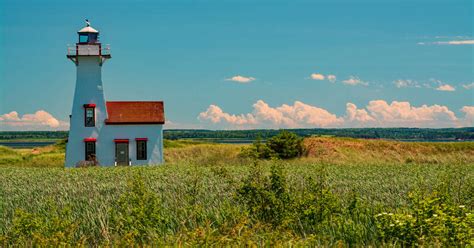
[365, 133]
[30, 135]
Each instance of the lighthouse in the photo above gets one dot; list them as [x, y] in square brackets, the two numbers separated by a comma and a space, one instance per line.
[108, 133]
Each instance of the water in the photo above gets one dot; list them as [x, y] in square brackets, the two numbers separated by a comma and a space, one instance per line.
[26, 144]
[31, 144]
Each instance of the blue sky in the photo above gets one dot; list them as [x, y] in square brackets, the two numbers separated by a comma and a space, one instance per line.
[186, 53]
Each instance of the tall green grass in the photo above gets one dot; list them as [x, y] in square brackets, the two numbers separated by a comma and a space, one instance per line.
[208, 195]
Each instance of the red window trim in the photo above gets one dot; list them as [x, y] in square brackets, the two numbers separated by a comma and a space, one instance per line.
[90, 140]
[141, 139]
[121, 140]
[89, 105]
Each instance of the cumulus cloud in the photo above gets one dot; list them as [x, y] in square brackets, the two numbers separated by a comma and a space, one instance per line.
[264, 116]
[214, 114]
[403, 114]
[468, 119]
[445, 87]
[377, 113]
[353, 80]
[452, 42]
[332, 78]
[468, 86]
[41, 120]
[357, 117]
[241, 79]
[317, 76]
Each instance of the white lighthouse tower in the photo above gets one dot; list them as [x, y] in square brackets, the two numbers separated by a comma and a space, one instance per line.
[110, 133]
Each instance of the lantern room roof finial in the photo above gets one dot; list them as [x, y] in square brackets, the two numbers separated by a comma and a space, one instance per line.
[88, 28]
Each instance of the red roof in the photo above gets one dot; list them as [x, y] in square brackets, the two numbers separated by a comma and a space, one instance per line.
[122, 113]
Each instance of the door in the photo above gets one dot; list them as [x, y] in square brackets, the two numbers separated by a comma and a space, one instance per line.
[121, 153]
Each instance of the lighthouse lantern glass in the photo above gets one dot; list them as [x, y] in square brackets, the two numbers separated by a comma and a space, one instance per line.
[83, 38]
[88, 38]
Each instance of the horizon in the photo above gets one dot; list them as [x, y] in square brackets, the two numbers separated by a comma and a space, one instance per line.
[275, 129]
[242, 65]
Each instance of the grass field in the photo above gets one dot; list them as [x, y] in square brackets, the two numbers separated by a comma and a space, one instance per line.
[342, 192]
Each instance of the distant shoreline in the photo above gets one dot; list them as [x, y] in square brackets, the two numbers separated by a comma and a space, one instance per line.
[27, 144]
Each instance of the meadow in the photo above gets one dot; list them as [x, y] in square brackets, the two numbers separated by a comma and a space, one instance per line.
[341, 192]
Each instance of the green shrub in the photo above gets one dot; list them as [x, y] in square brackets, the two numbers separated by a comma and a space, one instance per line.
[137, 216]
[285, 145]
[430, 219]
[317, 205]
[266, 198]
[54, 228]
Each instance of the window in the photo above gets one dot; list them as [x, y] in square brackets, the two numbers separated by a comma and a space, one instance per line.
[90, 150]
[88, 38]
[141, 149]
[89, 117]
[93, 38]
[83, 38]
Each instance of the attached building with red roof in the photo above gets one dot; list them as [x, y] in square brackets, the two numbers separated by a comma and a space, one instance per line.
[108, 133]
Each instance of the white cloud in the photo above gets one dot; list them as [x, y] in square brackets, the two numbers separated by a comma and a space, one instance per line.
[377, 113]
[445, 87]
[263, 116]
[452, 42]
[468, 86]
[430, 84]
[406, 83]
[455, 42]
[317, 76]
[353, 80]
[214, 114]
[241, 79]
[468, 116]
[402, 114]
[357, 116]
[41, 120]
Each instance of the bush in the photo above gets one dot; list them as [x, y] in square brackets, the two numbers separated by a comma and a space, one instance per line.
[268, 201]
[55, 228]
[430, 219]
[92, 162]
[285, 145]
[266, 198]
[137, 216]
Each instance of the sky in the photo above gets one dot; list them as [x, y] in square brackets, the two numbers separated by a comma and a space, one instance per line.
[248, 64]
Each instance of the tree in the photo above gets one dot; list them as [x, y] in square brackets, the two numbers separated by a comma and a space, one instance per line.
[286, 145]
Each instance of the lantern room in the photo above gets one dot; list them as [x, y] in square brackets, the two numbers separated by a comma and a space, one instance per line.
[88, 45]
[88, 35]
